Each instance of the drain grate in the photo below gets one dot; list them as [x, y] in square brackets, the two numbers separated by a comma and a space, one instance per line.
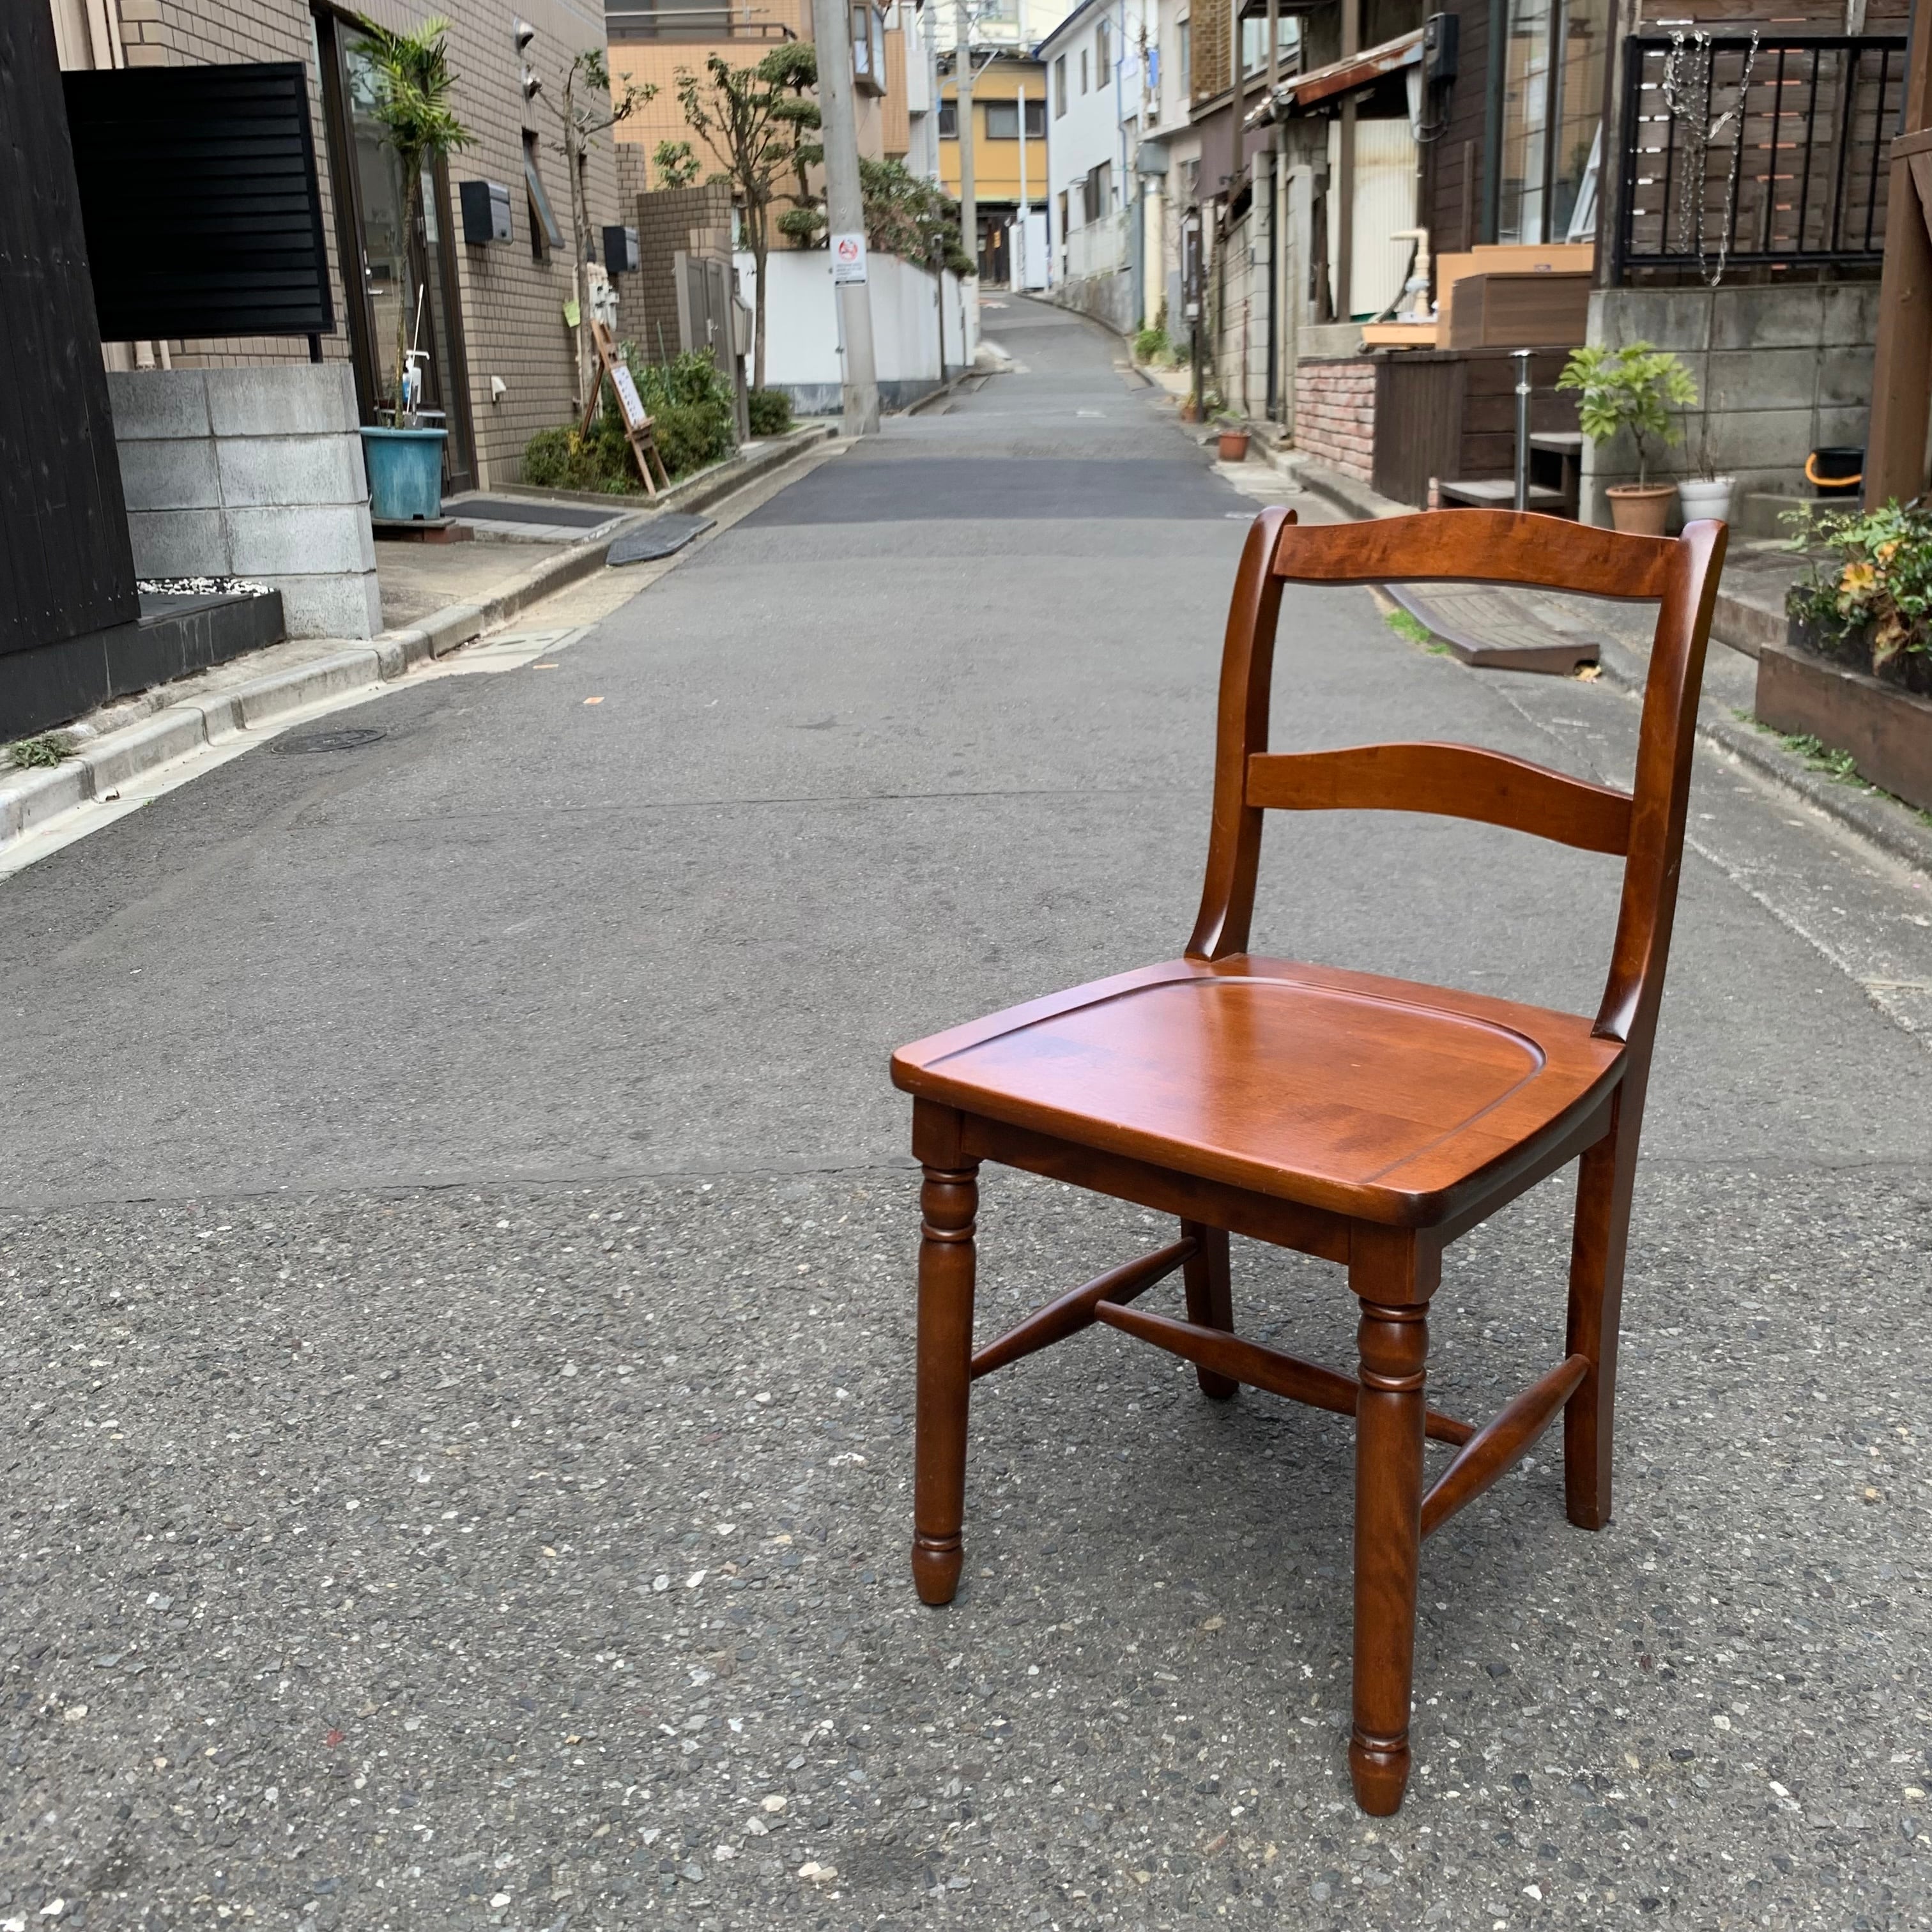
[348, 739]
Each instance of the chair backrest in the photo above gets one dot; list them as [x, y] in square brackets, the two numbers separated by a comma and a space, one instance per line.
[1644, 825]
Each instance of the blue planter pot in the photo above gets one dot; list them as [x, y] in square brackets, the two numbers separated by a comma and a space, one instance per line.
[405, 468]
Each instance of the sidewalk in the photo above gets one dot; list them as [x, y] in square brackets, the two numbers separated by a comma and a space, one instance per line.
[436, 598]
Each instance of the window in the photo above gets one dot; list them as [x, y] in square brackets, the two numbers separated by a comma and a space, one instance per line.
[545, 233]
[1095, 191]
[1003, 120]
[1184, 65]
[1254, 42]
[1552, 86]
[1103, 53]
[1086, 84]
[1060, 86]
[949, 120]
[868, 50]
[1036, 119]
[1063, 215]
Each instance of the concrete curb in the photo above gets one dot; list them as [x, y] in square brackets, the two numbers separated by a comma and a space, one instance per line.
[1873, 815]
[102, 766]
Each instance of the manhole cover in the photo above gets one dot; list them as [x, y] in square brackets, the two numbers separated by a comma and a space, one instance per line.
[348, 739]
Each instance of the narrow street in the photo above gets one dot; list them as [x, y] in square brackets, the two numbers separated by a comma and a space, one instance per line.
[456, 1265]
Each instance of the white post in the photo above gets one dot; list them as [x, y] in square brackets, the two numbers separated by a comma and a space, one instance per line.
[1019, 253]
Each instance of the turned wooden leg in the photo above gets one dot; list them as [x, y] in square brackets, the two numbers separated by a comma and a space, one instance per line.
[948, 1201]
[1604, 1187]
[1394, 1339]
[1210, 1299]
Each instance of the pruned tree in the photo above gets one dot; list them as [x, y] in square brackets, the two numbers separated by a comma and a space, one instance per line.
[585, 108]
[748, 117]
[676, 163]
[911, 218]
[794, 67]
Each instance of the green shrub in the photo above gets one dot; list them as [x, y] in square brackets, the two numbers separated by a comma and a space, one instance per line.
[689, 437]
[769, 410]
[691, 407]
[49, 748]
[1151, 345]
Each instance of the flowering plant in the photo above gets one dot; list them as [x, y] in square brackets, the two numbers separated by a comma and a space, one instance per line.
[1877, 583]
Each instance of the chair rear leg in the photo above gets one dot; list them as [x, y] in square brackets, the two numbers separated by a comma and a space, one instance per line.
[948, 1201]
[1597, 1247]
[1210, 1299]
[1393, 1273]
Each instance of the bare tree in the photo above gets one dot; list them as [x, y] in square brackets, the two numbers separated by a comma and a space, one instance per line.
[585, 109]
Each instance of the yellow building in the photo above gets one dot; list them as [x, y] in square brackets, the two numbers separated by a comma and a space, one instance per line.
[649, 43]
[998, 87]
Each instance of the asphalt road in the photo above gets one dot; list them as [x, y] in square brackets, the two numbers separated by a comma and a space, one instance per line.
[455, 1287]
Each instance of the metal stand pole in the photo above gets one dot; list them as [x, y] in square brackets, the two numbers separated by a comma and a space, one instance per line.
[1522, 359]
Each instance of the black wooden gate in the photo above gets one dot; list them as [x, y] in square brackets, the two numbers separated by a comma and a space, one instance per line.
[66, 567]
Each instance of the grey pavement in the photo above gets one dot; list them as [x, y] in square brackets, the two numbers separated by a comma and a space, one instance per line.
[455, 1277]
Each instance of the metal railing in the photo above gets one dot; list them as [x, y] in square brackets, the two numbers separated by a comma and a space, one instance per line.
[1099, 247]
[684, 20]
[1751, 150]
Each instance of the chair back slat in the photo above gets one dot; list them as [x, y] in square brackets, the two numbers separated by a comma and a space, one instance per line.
[1477, 546]
[1451, 781]
[1646, 828]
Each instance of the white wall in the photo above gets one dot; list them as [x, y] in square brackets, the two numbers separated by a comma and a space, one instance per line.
[1090, 131]
[802, 325]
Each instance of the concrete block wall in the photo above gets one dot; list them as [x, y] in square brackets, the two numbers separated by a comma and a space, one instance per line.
[1335, 415]
[1779, 372]
[253, 472]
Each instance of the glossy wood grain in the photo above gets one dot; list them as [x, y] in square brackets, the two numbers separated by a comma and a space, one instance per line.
[1500, 1444]
[1452, 781]
[1498, 547]
[1270, 1369]
[1370, 1097]
[1078, 1309]
[1366, 1120]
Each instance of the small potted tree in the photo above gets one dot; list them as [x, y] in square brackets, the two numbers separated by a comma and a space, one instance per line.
[1706, 494]
[419, 127]
[1634, 388]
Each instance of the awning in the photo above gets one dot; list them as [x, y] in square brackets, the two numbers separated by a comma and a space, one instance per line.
[1305, 91]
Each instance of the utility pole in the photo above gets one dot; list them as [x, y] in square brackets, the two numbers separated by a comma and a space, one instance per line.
[1018, 271]
[969, 205]
[845, 216]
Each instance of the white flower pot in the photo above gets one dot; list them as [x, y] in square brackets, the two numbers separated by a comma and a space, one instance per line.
[1705, 497]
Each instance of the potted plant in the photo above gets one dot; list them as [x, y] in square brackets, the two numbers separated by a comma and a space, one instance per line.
[1854, 672]
[1634, 388]
[413, 84]
[1706, 494]
[1233, 443]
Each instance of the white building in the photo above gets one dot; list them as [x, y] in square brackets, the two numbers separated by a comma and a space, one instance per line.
[1099, 79]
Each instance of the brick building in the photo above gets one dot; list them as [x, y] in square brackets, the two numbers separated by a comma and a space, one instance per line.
[502, 363]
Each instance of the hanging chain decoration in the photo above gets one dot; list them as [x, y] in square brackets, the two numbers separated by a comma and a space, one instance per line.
[1689, 83]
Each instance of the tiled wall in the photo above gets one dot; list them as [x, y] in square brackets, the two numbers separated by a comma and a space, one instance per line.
[511, 305]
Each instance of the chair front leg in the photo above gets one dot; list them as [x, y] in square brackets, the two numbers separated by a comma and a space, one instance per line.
[1393, 1275]
[1211, 1299]
[948, 1201]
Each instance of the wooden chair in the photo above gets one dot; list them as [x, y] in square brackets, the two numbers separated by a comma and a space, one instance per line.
[1369, 1121]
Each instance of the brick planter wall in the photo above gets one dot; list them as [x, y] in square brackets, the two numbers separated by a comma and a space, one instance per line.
[1335, 415]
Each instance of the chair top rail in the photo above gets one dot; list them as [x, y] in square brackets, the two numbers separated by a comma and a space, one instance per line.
[1478, 547]
[1449, 781]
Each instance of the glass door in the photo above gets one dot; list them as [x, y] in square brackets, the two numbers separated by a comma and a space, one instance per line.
[407, 280]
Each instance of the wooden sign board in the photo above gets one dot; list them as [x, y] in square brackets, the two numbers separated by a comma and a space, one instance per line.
[637, 430]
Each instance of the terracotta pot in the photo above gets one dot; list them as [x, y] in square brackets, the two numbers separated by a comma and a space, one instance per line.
[1190, 410]
[1640, 509]
[1234, 446]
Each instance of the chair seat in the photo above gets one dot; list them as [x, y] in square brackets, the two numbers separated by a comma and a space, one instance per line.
[1371, 1097]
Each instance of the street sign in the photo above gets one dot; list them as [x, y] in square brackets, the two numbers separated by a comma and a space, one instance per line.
[848, 259]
